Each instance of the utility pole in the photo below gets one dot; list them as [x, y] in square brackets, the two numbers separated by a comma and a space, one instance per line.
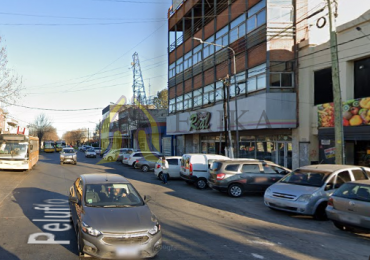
[338, 124]
[88, 135]
[226, 84]
[225, 117]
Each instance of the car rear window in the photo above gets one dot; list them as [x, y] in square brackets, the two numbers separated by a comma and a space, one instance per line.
[359, 175]
[353, 191]
[215, 166]
[172, 161]
[232, 167]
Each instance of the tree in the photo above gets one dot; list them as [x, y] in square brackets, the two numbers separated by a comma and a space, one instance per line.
[75, 136]
[161, 100]
[41, 126]
[10, 83]
[51, 135]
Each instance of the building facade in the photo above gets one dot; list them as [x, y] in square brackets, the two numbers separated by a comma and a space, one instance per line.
[203, 86]
[315, 139]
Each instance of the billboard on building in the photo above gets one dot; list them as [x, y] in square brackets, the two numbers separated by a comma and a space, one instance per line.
[355, 112]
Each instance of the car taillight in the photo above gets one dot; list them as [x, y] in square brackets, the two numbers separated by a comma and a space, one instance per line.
[190, 169]
[158, 166]
[331, 202]
[221, 176]
[137, 160]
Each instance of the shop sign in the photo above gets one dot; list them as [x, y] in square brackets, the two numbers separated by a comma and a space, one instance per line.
[329, 153]
[200, 121]
[356, 112]
[325, 142]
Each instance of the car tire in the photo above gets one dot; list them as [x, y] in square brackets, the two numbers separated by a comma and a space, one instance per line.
[160, 176]
[235, 190]
[133, 165]
[75, 163]
[320, 213]
[110, 159]
[145, 168]
[201, 183]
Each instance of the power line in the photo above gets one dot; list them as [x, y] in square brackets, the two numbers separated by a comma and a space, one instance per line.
[72, 24]
[51, 109]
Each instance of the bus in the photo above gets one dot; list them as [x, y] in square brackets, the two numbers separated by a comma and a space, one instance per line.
[49, 146]
[18, 152]
[59, 145]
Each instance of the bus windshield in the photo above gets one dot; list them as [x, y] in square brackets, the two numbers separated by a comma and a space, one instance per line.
[13, 149]
[49, 145]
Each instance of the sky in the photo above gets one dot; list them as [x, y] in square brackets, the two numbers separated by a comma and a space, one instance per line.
[77, 54]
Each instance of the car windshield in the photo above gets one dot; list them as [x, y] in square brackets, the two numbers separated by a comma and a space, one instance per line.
[13, 149]
[112, 195]
[91, 150]
[306, 178]
[68, 151]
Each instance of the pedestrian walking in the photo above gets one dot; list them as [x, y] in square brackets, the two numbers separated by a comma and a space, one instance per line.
[164, 170]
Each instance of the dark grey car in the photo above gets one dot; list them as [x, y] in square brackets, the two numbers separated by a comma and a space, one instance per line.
[68, 155]
[111, 219]
[240, 176]
[148, 162]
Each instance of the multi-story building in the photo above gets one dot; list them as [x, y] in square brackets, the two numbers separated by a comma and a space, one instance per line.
[263, 92]
[314, 139]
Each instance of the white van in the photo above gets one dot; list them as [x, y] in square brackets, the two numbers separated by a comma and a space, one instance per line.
[194, 168]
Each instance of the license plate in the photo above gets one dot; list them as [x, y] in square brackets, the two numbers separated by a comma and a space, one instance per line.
[127, 252]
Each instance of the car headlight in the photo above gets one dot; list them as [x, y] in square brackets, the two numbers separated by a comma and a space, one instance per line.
[304, 198]
[89, 230]
[268, 192]
[155, 229]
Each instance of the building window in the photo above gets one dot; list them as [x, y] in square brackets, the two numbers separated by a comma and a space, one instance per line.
[281, 14]
[197, 56]
[172, 70]
[256, 78]
[362, 78]
[256, 16]
[208, 49]
[323, 86]
[188, 101]
[219, 91]
[222, 38]
[197, 97]
[187, 60]
[171, 107]
[237, 28]
[209, 94]
[240, 87]
[180, 65]
[179, 103]
[281, 79]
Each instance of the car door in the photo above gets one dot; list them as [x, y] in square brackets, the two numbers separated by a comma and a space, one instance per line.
[255, 178]
[174, 169]
[76, 191]
[336, 180]
[272, 173]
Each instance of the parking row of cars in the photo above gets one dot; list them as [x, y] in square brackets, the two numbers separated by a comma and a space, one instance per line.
[338, 192]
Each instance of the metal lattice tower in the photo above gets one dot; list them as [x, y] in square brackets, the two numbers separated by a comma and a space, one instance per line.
[138, 84]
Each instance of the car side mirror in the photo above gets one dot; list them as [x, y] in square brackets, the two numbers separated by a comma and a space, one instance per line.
[147, 198]
[73, 199]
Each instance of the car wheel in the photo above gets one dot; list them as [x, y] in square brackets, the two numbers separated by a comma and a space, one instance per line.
[133, 165]
[110, 159]
[160, 176]
[145, 168]
[75, 163]
[80, 245]
[235, 190]
[320, 213]
[201, 183]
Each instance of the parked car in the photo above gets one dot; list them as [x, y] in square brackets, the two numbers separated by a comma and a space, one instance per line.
[148, 162]
[68, 155]
[122, 151]
[174, 163]
[98, 204]
[111, 155]
[90, 153]
[85, 147]
[306, 190]
[240, 176]
[97, 150]
[349, 206]
[194, 168]
[137, 155]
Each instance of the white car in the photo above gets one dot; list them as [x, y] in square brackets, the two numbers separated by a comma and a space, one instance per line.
[174, 163]
[125, 157]
[90, 153]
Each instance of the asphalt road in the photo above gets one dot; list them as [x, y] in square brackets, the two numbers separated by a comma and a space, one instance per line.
[196, 224]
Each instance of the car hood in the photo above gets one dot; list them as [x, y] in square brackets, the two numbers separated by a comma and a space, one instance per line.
[293, 189]
[119, 220]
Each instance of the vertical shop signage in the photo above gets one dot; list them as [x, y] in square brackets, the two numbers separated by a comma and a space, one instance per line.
[200, 121]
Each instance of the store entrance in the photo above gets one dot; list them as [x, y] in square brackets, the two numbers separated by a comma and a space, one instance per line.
[213, 147]
[362, 153]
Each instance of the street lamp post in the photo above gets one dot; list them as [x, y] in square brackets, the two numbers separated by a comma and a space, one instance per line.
[236, 95]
